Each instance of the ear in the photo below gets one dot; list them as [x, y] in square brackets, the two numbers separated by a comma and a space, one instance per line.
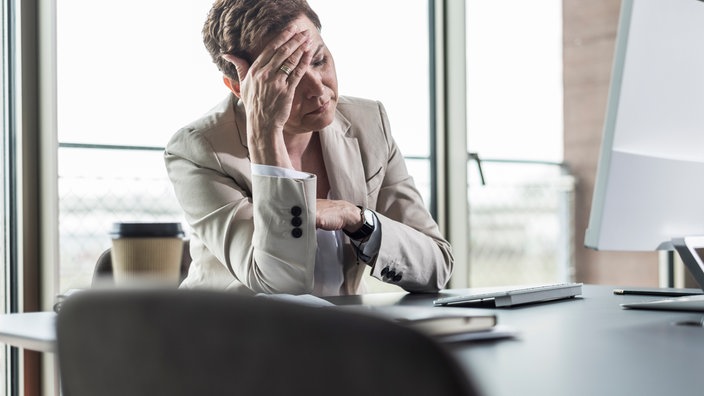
[242, 67]
[232, 85]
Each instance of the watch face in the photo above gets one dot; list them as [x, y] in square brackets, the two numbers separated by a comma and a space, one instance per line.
[369, 217]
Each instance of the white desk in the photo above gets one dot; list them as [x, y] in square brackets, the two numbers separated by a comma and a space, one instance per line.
[33, 330]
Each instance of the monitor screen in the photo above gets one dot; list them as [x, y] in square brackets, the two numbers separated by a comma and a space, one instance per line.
[650, 177]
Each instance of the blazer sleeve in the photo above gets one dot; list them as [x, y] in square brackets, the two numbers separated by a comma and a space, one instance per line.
[267, 243]
[413, 253]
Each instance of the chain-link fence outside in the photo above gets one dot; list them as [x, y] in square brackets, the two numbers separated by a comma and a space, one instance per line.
[521, 224]
[521, 221]
[98, 187]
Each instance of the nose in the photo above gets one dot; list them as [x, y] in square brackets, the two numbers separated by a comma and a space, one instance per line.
[311, 85]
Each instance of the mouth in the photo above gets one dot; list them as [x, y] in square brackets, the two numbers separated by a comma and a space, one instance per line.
[322, 109]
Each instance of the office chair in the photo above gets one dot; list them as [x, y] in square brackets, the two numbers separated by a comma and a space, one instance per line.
[186, 342]
[102, 273]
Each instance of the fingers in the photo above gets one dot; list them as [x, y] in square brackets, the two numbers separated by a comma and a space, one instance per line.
[286, 57]
[284, 46]
[277, 42]
[282, 55]
[334, 215]
[302, 57]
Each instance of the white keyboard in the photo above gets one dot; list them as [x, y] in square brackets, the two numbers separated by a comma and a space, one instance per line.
[516, 295]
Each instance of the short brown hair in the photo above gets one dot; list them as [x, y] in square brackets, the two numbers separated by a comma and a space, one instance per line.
[237, 27]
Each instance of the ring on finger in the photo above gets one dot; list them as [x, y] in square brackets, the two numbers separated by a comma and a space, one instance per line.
[285, 69]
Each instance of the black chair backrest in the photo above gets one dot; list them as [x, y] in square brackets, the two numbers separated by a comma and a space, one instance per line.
[186, 342]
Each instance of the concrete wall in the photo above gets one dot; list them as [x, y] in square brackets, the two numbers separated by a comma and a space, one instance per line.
[589, 34]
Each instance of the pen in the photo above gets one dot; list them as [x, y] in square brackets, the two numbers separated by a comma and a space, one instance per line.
[657, 292]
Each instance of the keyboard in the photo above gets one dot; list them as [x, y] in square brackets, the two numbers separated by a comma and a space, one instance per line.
[507, 297]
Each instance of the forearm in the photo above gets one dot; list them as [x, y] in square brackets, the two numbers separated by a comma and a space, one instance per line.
[266, 145]
[284, 239]
[266, 253]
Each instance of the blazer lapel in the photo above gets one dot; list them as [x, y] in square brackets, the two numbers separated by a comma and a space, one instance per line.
[343, 163]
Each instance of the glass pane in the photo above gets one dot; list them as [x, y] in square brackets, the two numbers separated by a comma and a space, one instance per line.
[130, 79]
[521, 221]
[521, 224]
[134, 75]
[514, 79]
[92, 198]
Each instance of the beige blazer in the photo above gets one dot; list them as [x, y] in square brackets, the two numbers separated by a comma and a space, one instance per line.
[238, 220]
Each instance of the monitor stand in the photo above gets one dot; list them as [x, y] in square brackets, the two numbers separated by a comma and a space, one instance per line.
[691, 251]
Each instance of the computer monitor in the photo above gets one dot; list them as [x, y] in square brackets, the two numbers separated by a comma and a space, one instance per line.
[650, 178]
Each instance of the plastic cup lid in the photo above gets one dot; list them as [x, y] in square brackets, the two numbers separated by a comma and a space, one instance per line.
[145, 230]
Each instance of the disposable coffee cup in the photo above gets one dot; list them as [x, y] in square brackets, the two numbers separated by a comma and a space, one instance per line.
[146, 253]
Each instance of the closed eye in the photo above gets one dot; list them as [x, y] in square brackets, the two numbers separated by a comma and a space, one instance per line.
[320, 62]
[320, 58]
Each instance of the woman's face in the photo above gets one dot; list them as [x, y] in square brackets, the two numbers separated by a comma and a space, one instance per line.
[315, 99]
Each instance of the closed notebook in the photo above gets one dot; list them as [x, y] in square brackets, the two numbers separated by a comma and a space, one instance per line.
[434, 321]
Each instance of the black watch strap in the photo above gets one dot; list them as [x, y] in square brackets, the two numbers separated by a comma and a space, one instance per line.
[367, 225]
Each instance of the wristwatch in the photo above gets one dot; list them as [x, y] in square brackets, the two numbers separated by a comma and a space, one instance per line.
[367, 225]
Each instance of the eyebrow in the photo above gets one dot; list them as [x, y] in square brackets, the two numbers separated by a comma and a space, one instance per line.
[320, 47]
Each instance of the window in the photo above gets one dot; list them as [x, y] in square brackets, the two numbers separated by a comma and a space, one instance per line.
[126, 83]
[521, 220]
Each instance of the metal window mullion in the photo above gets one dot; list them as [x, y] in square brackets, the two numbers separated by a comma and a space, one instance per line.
[451, 126]
[10, 199]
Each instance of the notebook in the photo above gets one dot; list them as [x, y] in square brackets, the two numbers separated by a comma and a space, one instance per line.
[507, 297]
[447, 325]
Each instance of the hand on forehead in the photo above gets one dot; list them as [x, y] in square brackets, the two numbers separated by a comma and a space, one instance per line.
[275, 40]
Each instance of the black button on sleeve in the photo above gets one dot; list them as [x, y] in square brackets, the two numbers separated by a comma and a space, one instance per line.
[384, 271]
[296, 211]
[397, 277]
[296, 221]
[390, 274]
[297, 232]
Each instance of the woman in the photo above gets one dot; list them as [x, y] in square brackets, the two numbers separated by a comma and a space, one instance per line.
[289, 187]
